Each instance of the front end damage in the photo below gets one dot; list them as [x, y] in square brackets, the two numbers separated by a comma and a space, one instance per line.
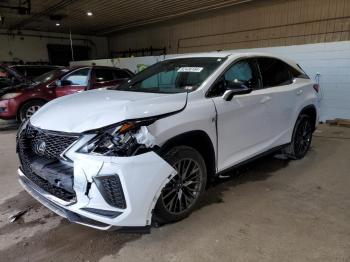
[87, 181]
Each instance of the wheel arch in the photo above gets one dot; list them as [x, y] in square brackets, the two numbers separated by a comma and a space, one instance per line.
[200, 141]
[310, 111]
[26, 102]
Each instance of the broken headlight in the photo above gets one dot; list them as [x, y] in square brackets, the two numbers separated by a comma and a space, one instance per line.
[127, 139]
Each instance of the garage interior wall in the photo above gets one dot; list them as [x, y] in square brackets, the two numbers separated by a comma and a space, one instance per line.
[259, 23]
[31, 46]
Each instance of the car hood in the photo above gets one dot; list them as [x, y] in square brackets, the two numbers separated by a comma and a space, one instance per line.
[16, 88]
[99, 108]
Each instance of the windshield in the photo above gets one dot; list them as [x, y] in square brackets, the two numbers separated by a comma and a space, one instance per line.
[49, 76]
[173, 76]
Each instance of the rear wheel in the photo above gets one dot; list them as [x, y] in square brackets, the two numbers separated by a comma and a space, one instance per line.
[180, 196]
[302, 137]
[28, 109]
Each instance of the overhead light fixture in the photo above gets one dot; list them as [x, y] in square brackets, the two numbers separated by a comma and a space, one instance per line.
[89, 13]
[58, 24]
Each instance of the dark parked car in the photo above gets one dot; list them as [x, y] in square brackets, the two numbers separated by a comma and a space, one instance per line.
[23, 100]
[32, 71]
[9, 77]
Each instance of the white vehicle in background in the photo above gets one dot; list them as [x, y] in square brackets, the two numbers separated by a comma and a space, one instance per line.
[147, 150]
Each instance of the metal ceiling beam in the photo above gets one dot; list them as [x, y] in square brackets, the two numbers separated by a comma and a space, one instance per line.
[60, 5]
[139, 23]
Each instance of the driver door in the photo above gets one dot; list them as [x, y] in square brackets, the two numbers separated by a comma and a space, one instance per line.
[242, 123]
[74, 82]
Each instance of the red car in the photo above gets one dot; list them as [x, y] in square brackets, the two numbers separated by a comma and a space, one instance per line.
[22, 101]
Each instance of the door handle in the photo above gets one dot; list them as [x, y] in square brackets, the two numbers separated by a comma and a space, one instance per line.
[265, 99]
[299, 92]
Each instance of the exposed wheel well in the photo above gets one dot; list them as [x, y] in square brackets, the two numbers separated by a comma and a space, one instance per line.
[311, 112]
[198, 140]
[26, 102]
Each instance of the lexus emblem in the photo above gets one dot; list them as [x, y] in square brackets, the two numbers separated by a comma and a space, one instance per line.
[41, 147]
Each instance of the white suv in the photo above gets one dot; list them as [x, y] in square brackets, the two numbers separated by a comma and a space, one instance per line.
[146, 150]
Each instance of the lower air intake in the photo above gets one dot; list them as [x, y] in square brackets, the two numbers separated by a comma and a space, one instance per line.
[111, 190]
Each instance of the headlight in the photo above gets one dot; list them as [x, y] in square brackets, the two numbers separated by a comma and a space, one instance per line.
[10, 95]
[127, 139]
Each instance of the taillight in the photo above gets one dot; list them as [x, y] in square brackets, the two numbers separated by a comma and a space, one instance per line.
[316, 87]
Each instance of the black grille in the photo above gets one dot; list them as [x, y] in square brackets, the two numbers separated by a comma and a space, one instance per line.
[55, 144]
[111, 190]
[27, 145]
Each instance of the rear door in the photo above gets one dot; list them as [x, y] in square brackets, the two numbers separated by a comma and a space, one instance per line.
[76, 81]
[279, 86]
[242, 123]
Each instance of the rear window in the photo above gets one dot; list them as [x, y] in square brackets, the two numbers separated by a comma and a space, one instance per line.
[274, 72]
[103, 75]
[120, 74]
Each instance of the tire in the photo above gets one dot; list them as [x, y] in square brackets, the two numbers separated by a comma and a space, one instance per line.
[29, 108]
[181, 195]
[301, 139]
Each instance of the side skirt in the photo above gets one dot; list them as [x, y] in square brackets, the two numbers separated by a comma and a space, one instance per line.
[268, 152]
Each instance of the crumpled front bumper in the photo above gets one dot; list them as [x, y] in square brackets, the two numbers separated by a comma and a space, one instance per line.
[142, 178]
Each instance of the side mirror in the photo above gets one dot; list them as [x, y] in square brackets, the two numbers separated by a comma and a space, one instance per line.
[236, 88]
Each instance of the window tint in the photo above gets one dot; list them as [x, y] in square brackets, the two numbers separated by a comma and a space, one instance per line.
[79, 77]
[120, 74]
[274, 72]
[103, 75]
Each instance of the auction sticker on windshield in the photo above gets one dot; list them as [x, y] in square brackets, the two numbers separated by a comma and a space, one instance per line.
[190, 69]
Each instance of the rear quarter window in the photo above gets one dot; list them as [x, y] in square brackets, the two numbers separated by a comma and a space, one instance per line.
[274, 72]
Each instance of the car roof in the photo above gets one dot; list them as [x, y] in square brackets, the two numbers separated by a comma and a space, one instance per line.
[222, 54]
[233, 55]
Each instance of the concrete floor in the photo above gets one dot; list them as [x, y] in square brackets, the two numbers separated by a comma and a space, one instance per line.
[275, 210]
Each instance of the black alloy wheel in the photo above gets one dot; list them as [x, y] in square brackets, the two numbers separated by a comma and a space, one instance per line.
[181, 194]
[302, 137]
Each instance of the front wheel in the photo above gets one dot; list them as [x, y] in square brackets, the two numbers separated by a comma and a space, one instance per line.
[182, 193]
[302, 137]
[28, 109]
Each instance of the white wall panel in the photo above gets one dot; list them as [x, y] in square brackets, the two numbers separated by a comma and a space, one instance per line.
[331, 60]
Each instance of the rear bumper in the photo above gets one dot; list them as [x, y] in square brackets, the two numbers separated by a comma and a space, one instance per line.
[141, 177]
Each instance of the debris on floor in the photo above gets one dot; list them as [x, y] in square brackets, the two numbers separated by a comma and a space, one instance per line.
[17, 215]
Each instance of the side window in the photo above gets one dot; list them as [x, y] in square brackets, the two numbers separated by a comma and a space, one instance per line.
[103, 75]
[274, 72]
[120, 74]
[244, 72]
[78, 78]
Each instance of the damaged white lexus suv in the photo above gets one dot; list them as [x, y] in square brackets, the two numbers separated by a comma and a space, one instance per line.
[146, 150]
